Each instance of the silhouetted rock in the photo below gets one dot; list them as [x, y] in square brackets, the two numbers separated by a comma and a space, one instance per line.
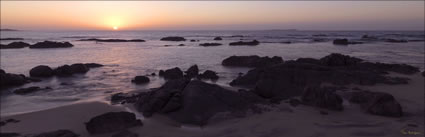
[23, 91]
[209, 74]
[242, 43]
[344, 42]
[15, 45]
[336, 59]
[79, 68]
[112, 122]
[173, 39]
[423, 73]
[294, 102]
[11, 38]
[218, 38]
[52, 44]
[323, 98]
[113, 40]
[251, 61]
[64, 70]
[396, 41]
[93, 65]
[140, 80]
[125, 133]
[41, 71]
[11, 134]
[192, 72]
[377, 103]
[173, 73]
[9, 79]
[210, 44]
[192, 40]
[2, 71]
[57, 133]
[181, 45]
[121, 98]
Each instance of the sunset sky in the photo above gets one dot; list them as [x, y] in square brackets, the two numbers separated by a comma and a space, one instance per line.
[212, 15]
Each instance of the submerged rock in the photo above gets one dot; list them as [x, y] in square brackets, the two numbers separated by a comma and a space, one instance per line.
[15, 45]
[210, 44]
[57, 133]
[344, 42]
[174, 73]
[113, 40]
[377, 103]
[251, 61]
[52, 44]
[209, 74]
[242, 43]
[112, 122]
[140, 80]
[323, 98]
[173, 39]
[396, 41]
[192, 72]
[41, 71]
[218, 38]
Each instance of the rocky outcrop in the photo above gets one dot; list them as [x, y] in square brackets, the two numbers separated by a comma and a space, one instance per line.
[192, 72]
[15, 45]
[9, 79]
[336, 59]
[242, 43]
[218, 38]
[51, 44]
[112, 122]
[140, 80]
[93, 65]
[174, 73]
[251, 61]
[57, 133]
[209, 44]
[173, 39]
[323, 98]
[209, 74]
[41, 71]
[344, 42]
[377, 103]
[114, 40]
[67, 70]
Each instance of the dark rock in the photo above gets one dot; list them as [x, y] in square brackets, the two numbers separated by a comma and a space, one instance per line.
[377, 103]
[294, 102]
[140, 80]
[336, 59]
[93, 65]
[174, 73]
[218, 38]
[173, 39]
[423, 73]
[323, 98]
[251, 61]
[396, 41]
[10, 134]
[58, 133]
[344, 42]
[41, 71]
[2, 71]
[125, 133]
[113, 40]
[64, 70]
[51, 44]
[120, 98]
[192, 40]
[11, 38]
[323, 113]
[241, 43]
[23, 91]
[208, 74]
[112, 122]
[15, 45]
[210, 44]
[233, 36]
[79, 68]
[9, 79]
[181, 45]
[192, 72]
[153, 74]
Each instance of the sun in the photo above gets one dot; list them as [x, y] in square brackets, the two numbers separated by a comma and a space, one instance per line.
[115, 28]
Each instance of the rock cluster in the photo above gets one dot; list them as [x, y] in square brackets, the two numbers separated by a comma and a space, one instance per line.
[251, 61]
[242, 43]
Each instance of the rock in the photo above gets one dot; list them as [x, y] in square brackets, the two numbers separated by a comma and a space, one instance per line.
[23, 91]
[218, 38]
[64, 70]
[112, 122]
[423, 73]
[51, 44]
[15, 45]
[58, 133]
[93, 65]
[120, 98]
[294, 102]
[10, 134]
[2, 71]
[9, 79]
[323, 98]
[192, 40]
[241, 43]
[208, 74]
[396, 41]
[181, 45]
[125, 133]
[113, 40]
[345, 42]
[192, 72]
[210, 44]
[79, 68]
[336, 59]
[140, 80]
[11, 38]
[377, 103]
[173, 39]
[323, 113]
[251, 61]
[174, 73]
[41, 71]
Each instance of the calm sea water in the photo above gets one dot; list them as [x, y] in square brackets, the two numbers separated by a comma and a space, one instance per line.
[125, 60]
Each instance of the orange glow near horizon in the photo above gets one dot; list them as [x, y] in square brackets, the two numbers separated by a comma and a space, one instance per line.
[130, 15]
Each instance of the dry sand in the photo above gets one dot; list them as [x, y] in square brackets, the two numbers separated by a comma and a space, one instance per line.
[282, 121]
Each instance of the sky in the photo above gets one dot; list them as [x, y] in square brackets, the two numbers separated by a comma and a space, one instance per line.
[213, 15]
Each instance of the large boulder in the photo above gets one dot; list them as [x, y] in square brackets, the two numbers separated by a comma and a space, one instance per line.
[15, 45]
[9, 79]
[323, 98]
[173, 39]
[52, 44]
[64, 70]
[209, 74]
[336, 59]
[112, 122]
[140, 80]
[79, 68]
[57, 133]
[174, 73]
[242, 43]
[41, 71]
[192, 72]
[251, 61]
[377, 103]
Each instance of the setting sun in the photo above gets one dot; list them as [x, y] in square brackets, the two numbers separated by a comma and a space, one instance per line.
[115, 28]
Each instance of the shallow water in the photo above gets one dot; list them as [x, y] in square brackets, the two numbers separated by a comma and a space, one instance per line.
[125, 60]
